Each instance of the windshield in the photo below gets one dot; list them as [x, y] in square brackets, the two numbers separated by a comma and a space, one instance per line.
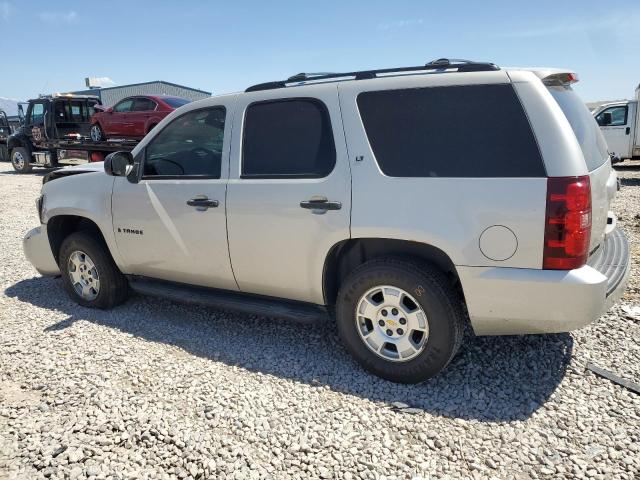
[175, 102]
[592, 143]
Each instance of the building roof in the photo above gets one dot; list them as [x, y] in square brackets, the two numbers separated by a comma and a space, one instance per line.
[96, 91]
[152, 82]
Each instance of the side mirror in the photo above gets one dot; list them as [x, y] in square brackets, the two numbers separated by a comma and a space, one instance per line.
[118, 164]
[21, 114]
[607, 119]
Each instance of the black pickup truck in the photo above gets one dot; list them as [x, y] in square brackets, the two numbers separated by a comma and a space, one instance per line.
[56, 131]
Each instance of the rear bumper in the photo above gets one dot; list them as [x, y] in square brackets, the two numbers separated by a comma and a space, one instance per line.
[512, 301]
[38, 251]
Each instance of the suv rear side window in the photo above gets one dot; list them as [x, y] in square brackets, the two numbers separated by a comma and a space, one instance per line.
[191, 146]
[592, 143]
[459, 131]
[287, 138]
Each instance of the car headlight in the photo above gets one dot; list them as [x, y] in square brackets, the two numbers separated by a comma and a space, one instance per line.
[40, 207]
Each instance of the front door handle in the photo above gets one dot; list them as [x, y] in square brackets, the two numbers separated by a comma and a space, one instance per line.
[320, 204]
[202, 203]
[628, 131]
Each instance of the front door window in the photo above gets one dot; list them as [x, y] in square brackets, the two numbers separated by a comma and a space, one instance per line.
[36, 114]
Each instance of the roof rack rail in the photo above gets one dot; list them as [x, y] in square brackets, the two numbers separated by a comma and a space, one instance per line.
[439, 64]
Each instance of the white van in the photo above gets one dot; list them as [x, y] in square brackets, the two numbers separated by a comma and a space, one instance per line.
[619, 124]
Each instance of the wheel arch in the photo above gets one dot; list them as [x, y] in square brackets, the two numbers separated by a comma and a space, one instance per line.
[19, 141]
[60, 227]
[346, 255]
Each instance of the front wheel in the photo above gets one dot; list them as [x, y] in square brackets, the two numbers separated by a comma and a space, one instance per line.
[20, 159]
[89, 274]
[400, 320]
[97, 135]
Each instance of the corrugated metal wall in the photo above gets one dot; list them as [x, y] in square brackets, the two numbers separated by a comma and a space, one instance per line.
[111, 96]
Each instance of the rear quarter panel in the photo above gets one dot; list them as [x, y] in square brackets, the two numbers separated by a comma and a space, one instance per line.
[448, 213]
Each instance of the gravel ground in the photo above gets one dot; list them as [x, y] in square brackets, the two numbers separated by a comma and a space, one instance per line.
[154, 389]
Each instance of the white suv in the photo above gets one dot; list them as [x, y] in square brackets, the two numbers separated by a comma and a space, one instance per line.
[406, 201]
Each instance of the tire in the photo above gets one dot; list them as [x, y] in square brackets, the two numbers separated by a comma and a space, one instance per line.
[21, 160]
[113, 288]
[96, 133]
[420, 285]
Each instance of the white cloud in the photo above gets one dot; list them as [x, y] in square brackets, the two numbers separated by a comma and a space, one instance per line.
[400, 24]
[58, 17]
[5, 10]
[102, 82]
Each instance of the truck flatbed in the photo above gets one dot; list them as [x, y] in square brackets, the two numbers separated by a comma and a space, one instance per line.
[86, 144]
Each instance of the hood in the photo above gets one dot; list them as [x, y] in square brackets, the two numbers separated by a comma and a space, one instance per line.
[73, 170]
[85, 167]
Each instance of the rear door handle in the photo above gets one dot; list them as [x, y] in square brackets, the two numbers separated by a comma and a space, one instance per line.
[202, 202]
[320, 204]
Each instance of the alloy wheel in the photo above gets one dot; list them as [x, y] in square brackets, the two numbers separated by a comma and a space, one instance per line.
[96, 134]
[84, 275]
[18, 160]
[391, 323]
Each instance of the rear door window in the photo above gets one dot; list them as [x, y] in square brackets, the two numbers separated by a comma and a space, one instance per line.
[288, 138]
[458, 131]
[143, 105]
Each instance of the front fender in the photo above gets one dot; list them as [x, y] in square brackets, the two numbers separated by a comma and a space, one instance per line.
[18, 140]
[87, 195]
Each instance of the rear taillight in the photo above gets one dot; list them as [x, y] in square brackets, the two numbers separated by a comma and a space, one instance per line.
[568, 223]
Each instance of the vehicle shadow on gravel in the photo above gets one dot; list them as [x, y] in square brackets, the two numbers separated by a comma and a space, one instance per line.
[491, 379]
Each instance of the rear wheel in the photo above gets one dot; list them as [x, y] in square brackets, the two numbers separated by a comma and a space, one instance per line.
[400, 320]
[89, 274]
[97, 135]
[20, 159]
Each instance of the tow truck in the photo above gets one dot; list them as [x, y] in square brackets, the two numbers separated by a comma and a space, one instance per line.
[56, 131]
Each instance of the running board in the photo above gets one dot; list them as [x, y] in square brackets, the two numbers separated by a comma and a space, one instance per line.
[226, 300]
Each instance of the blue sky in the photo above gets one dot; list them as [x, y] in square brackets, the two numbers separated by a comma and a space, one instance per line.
[227, 46]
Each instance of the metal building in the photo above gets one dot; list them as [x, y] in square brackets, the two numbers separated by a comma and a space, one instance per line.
[111, 95]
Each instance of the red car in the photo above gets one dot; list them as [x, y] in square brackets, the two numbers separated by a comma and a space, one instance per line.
[132, 117]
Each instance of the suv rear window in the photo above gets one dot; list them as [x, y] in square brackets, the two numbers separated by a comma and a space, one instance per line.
[287, 138]
[592, 143]
[459, 131]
